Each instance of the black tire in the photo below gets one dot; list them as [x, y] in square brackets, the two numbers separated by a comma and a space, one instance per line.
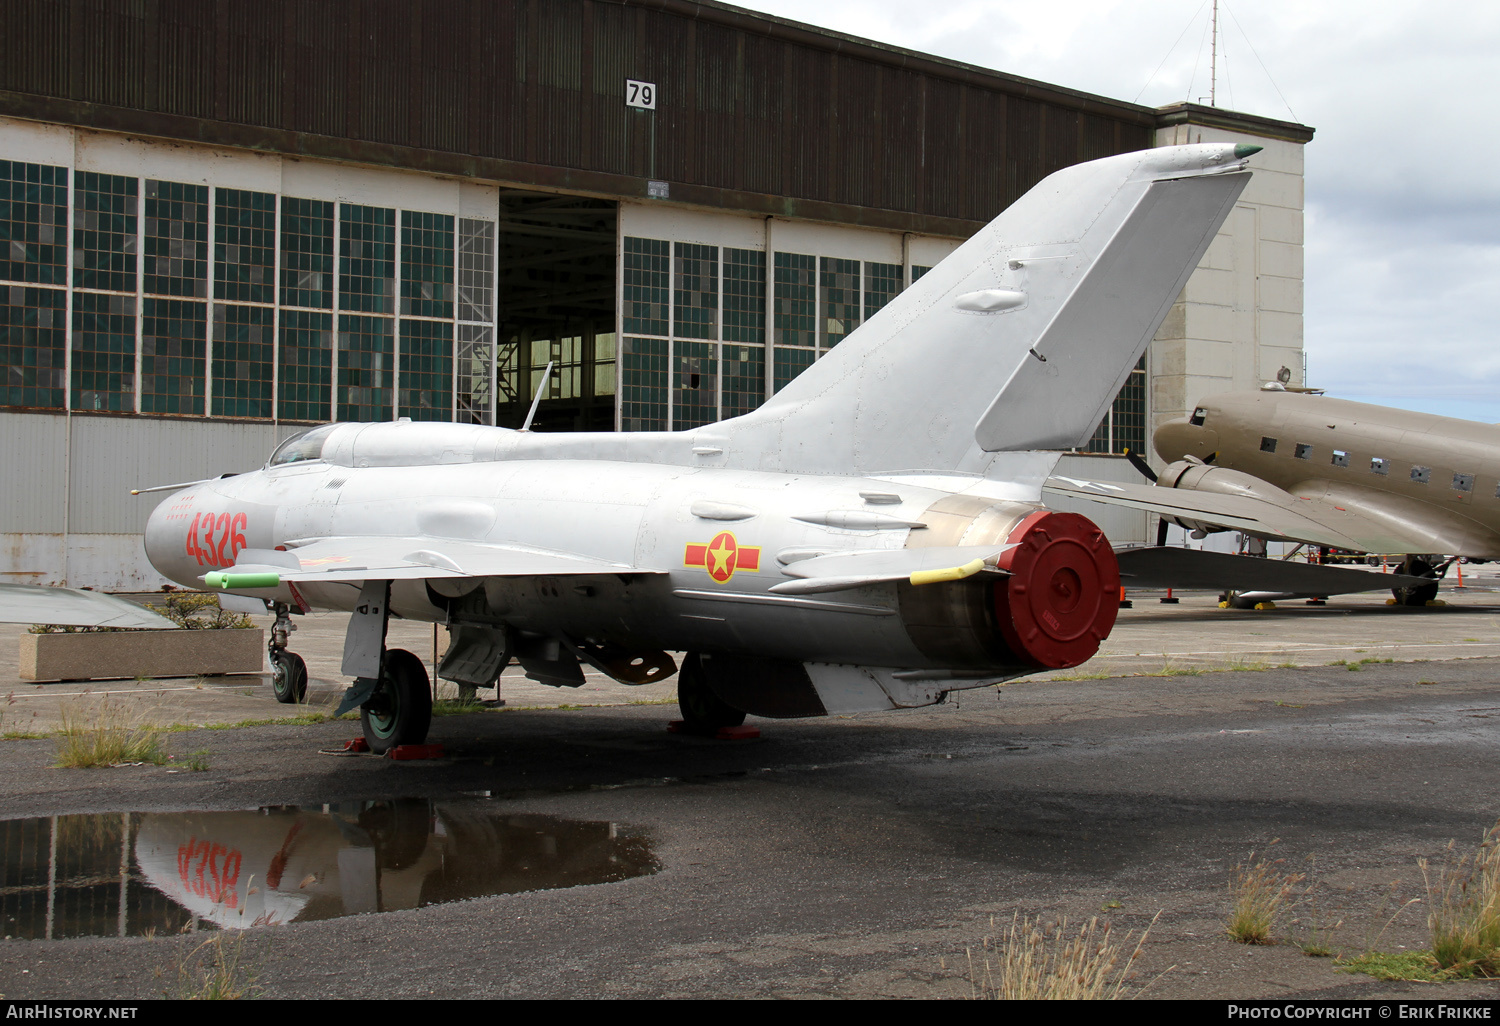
[1418, 595]
[289, 678]
[400, 710]
[701, 708]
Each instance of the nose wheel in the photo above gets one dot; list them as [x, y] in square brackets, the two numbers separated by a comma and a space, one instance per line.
[288, 677]
[399, 711]
[288, 671]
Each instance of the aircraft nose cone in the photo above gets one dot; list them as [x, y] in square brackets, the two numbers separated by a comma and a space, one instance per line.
[1177, 438]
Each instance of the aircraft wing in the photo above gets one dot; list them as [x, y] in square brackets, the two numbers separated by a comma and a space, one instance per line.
[414, 558]
[1168, 567]
[30, 603]
[1313, 521]
[842, 570]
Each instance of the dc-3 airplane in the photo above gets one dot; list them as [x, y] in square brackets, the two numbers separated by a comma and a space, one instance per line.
[871, 538]
[1287, 466]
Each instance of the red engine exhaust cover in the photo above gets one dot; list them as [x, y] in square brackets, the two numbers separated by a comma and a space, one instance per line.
[1063, 594]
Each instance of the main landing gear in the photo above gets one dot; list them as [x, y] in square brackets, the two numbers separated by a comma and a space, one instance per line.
[399, 711]
[391, 687]
[703, 712]
[1420, 594]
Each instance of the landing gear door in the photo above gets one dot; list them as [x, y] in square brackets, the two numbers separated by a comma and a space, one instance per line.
[365, 640]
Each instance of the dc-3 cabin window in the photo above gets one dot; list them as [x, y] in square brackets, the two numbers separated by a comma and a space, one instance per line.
[1304, 451]
[1420, 475]
[1340, 458]
[1380, 465]
[1198, 416]
[299, 448]
[1463, 482]
[1268, 445]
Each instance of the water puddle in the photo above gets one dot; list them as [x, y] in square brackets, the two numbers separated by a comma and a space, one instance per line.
[149, 874]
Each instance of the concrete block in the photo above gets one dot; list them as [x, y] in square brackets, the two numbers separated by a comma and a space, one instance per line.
[1281, 259]
[1281, 224]
[132, 654]
[1281, 294]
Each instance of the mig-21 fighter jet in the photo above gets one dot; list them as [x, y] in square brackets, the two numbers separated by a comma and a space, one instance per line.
[870, 538]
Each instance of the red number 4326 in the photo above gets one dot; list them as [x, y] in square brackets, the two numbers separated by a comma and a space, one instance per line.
[216, 540]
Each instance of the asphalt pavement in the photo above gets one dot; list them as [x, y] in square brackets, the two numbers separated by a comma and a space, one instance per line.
[872, 856]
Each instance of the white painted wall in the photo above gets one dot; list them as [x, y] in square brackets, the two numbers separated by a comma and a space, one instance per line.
[1239, 319]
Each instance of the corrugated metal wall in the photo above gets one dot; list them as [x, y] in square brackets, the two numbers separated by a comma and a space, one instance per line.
[109, 456]
[745, 103]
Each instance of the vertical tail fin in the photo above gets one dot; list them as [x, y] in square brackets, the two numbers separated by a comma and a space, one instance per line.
[1021, 338]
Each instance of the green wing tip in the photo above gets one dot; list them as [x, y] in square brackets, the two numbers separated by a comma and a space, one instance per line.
[1244, 150]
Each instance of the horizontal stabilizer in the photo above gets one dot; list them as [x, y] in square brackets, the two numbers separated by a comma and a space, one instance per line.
[419, 558]
[1167, 567]
[844, 570]
[30, 603]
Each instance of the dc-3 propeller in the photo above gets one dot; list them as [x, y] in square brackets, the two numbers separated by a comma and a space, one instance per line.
[1139, 463]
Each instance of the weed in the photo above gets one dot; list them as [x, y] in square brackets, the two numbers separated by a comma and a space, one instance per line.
[1286, 666]
[1261, 893]
[196, 761]
[1170, 670]
[1425, 681]
[1089, 675]
[1418, 966]
[1241, 665]
[216, 971]
[106, 736]
[1287, 705]
[1464, 916]
[1052, 963]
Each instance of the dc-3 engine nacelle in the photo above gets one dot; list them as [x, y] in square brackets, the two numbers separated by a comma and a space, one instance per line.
[1195, 475]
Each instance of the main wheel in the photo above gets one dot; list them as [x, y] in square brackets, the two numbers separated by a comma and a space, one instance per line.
[701, 708]
[288, 677]
[400, 710]
[1420, 594]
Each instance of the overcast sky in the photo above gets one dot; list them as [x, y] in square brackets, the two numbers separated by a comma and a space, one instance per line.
[1403, 176]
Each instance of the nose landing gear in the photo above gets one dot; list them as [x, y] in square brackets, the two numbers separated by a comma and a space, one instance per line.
[288, 671]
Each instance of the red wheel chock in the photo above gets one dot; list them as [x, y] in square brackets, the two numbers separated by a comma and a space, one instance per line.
[404, 752]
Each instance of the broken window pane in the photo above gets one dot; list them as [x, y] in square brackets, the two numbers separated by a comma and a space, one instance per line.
[1420, 474]
[1463, 482]
[1379, 465]
[1340, 458]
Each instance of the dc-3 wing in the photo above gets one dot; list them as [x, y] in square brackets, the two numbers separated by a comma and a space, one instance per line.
[404, 559]
[1314, 521]
[27, 603]
[1164, 567]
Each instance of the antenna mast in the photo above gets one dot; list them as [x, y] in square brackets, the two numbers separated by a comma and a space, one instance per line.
[1213, 63]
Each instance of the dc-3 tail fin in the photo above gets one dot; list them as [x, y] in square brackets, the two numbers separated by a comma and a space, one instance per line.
[1021, 338]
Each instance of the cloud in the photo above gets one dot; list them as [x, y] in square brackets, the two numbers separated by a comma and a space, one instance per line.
[1402, 191]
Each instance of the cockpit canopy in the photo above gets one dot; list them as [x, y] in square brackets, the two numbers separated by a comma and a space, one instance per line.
[398, 443]
[299, 448]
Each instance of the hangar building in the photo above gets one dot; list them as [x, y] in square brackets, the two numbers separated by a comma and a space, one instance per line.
[221, 223]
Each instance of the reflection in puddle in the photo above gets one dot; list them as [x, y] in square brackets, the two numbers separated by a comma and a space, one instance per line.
[149, 873]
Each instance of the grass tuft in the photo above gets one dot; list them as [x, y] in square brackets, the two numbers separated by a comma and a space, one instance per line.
[106, 735]
[216, 971]
[1041, 962]
[1261, 893]
[1464, 921]
[1417, 966]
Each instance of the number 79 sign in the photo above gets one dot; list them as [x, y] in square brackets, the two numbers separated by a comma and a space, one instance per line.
[640, 94]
